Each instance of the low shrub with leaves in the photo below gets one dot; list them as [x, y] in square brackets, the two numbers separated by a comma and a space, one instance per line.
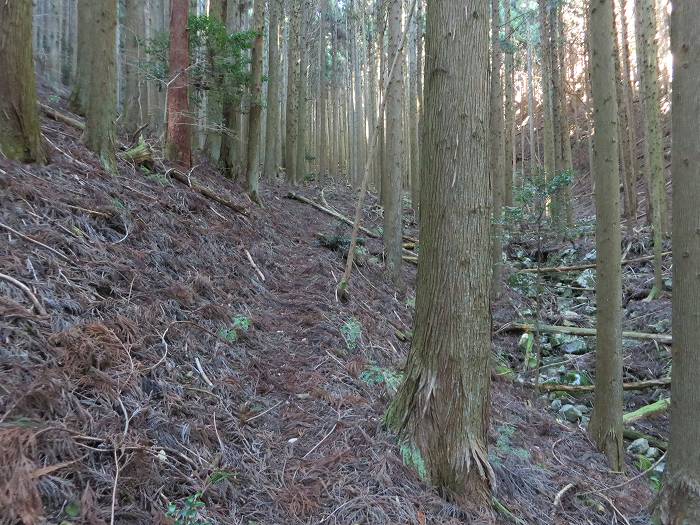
[188, 511]
[376, 375]
[240, 324]
[352, 333]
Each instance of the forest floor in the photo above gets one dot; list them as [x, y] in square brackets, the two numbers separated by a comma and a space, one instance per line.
[192, 358]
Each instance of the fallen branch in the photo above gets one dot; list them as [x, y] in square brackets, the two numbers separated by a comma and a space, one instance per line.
[201, 371]
[636, 385]
[62, 117]
[647, 410]
[203, 190]
[38, 243]
[654, 441]
[40, 309]
[577, 330]
[255, 266]
[587, 266]
[333, 213]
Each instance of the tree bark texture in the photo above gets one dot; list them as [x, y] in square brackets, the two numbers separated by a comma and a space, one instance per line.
[442, 406]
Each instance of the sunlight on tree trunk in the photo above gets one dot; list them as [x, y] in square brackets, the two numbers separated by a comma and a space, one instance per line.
[606, 421]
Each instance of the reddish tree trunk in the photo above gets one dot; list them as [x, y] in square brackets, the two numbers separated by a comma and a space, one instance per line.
[179, 144]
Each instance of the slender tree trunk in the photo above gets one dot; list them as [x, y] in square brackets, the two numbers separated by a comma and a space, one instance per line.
[679, 502]
[360, 130]
[394, 152]
[323, 92]
[531, 104]
[78, 98]
[496, 144]
[302, 106]
[292, 123]
[135, 99]
[179, 143]
[547, 105]
[509, 87]
[102, 84]
[214, 119]
[627, 90]
[647, 67]
[254, 120]
[626, 169]
[413, 109]
[20, 135]
[442, 406]
[606, 420]
[565, 135]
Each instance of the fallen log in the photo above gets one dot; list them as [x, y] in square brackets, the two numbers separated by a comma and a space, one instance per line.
[653, 441]
[577, 330]
[62, 117]
[647, 410]
[203, 190]
[561, 269]
[576, 389]
[341, 217]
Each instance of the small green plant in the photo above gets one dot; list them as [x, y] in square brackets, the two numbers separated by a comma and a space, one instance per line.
[376, 375]
[504, 445]
[644, 463]
[240, 323]
[118, 204]
[352, 333]
[187, 512]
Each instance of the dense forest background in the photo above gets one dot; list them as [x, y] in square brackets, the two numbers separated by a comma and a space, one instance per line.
[349, 261]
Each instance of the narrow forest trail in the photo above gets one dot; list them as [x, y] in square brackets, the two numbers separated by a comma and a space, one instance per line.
[166, 366]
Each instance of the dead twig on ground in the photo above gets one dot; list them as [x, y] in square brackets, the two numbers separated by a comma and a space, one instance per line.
[40, 309]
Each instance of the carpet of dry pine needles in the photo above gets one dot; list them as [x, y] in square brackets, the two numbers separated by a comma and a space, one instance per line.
[125, 397]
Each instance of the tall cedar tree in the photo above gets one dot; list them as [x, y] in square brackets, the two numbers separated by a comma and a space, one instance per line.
[680, 494]
[20, 137]
[179, 141]
[272, 127]
[394, 152]
[101, 108]
[442, 406]
[647, 66]
[293, 67]
[255, 120]
[78, 97]
[496, 151]
[606, 420]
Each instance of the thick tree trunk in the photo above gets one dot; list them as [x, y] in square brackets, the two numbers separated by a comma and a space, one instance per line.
[20, 136]
[135, 97]
[647, 66]
[496, 152]
[254, 120]
[442, 406]
[292, 123]
[394, 153]
[102, 84]
[322, 125]
[680, 498]
[272, 130]
[179, 143]
[606, 421]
